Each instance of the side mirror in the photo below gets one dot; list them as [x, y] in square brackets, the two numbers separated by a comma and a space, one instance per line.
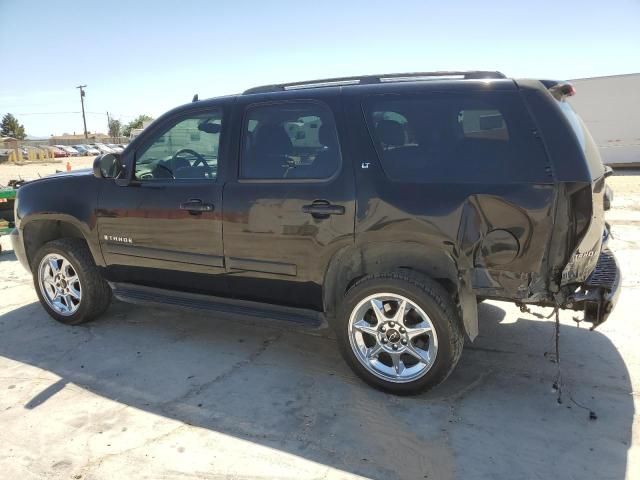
[107, 166]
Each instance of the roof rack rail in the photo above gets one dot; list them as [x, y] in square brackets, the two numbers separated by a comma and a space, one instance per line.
[371, 79]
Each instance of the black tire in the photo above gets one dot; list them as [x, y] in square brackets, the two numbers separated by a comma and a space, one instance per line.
[96, 292]
[433, 299]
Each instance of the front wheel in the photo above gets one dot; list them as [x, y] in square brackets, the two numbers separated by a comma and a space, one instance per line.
[68, 283]
[400, 332]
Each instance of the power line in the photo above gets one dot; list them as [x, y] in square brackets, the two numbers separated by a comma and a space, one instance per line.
[65, 113]
[46, 113]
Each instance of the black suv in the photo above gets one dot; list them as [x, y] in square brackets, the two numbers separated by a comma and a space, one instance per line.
[388, 205]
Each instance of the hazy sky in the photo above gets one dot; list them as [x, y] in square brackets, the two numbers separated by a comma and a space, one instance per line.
[148, 56]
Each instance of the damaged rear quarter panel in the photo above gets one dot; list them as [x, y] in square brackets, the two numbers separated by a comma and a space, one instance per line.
[458, 219]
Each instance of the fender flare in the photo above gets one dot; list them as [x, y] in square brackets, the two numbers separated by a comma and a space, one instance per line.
[349, 264]
[39, 228]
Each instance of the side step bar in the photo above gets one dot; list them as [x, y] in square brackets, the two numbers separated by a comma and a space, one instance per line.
[142, 295]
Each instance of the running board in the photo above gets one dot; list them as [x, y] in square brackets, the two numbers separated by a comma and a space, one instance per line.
[142, 295]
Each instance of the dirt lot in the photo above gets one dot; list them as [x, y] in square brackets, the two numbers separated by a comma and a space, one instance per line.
[151, 393]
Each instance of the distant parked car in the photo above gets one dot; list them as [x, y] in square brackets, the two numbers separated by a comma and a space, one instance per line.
[82, 150]
[115, 148]
[102, 147]
[91, 150]
[57, 152]
[70, 150]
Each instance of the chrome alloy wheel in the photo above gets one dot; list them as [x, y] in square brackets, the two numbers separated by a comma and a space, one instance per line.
[59, 284]
[393, 337]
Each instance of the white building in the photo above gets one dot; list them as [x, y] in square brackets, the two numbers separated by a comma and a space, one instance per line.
[610, 106]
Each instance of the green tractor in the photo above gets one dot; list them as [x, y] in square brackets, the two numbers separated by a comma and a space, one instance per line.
[7, 201]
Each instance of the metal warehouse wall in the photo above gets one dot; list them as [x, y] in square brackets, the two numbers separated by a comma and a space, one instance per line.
[610, 106]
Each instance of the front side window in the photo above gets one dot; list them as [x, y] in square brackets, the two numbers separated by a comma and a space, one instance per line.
[294, 140]
[466, 138]
[188, 150]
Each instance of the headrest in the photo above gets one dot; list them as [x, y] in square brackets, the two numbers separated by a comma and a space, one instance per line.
[272, 139]
[390, 133]
[326, 136]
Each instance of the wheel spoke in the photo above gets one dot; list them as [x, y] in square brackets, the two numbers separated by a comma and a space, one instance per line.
[398, 364]
[65, 267]
[68, 302]
[365, 327]
[423, 328]
[422, 355]
[376, 306]
[373, 352]
[74, 293]
[53, 265]
[400, 313]
[57, 301]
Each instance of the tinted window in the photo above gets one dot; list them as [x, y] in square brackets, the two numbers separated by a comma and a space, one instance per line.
[455, 137]
[187, 150]
[295, 140]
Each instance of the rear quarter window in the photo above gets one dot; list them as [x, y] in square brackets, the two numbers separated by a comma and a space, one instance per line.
[467, 138]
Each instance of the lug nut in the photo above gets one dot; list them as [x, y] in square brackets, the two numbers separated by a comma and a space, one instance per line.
[402, 330]
[384, 340]
[404, 341]
[392, 324]
[383, 328]
[395, 347]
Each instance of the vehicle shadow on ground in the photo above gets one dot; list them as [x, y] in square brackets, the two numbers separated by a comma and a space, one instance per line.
[290, 390]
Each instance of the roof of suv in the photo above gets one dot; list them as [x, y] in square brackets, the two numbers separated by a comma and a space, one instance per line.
[377, 79]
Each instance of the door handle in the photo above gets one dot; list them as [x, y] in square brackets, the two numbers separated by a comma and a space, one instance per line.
[323, 209]
[196, 205]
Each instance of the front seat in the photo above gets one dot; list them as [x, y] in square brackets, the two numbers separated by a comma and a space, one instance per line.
[326, 160]
[269, 154]
[390, 134]
[399, 157]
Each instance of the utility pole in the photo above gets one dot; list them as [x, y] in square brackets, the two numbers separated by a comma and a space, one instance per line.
[108, 125]
[84, 120]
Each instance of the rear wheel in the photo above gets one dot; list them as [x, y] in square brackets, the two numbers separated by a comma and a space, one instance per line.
[68, 282]
[400, 332]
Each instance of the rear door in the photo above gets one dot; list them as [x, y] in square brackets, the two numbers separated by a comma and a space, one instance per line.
[290, 206]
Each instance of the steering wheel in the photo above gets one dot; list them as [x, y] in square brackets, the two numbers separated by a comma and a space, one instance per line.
[199, 158]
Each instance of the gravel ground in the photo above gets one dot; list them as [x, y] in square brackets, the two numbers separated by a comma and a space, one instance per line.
[30, 171]
[158, 393]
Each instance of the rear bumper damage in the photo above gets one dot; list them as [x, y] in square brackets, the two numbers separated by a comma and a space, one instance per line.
[598, 294]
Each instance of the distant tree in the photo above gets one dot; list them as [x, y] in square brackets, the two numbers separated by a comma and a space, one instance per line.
[136, 123]
[115, 127]
[10, 127]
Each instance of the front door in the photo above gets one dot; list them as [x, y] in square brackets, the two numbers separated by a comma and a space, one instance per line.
[164, 227]
[291, 207]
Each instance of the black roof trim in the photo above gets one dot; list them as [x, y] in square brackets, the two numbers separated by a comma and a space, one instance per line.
[371, 79]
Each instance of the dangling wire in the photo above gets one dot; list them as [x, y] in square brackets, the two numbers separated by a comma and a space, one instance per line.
[557, 383]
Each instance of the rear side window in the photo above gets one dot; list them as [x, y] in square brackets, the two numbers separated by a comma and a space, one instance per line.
[467, 138]
[291, 140]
